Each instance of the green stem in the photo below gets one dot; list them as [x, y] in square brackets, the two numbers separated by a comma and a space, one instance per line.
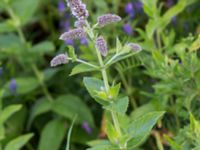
[42, 84]
[159, 141]
[158, 39]
[86, 63]
[24, 41]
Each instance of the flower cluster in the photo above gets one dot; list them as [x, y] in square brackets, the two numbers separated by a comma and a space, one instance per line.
[73, 34]
[78, 9]
[59, 59]
[107, 19]
[135, 47]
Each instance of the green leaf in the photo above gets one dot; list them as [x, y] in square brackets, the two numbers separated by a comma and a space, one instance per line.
[195, 45]
[8, 112]
[41, 106]
[120, 105]
[49, 73]
[2, 132]
[140, 128]
[18, 142]
[81, 68]
[6, 26]
[52, 135]
[114, 91]
[72, 53]
[118, 45]
[69, 106]
[94, 85]
[150, 7]
[172, 143]
[42, 48]
[111, 132]
[100, 145]
[172, 12]
[29, 8]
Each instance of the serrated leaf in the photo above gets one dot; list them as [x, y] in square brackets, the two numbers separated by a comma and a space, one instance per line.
[81, 68]
[111, 132]
[8, 112]
[29, 8]
[41, 106]
[100, 145]
[140, 128]
[69, 106]
[52, 135]
[93, 85]
[18, 142]
[119, 106]
[42, 48]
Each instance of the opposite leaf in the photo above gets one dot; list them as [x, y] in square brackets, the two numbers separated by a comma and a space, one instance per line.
[119, 106]
[140, 128]
[81, 68]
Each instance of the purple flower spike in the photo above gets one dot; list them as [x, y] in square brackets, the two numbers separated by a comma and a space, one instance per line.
[84, 41]
[170, 3]
[73, 34]
[59, 59]
[87, 128]
[61, 6]
[107, 19]
[13, 86]
[101, 45]
[78, 9]
[138, 5]
[128, 29]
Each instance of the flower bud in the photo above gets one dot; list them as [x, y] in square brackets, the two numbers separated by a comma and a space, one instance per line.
[135, 47]
[73, 34]
[101, 45]
[107, 19]
[59, 59]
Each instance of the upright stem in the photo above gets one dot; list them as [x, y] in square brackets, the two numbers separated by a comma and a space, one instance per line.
[24, 41]
[158, 39]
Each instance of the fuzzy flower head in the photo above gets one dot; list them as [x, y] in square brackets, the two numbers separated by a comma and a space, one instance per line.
[78, 9]
[73, 34]
[59, 59]
[101, 45]
[135, 47]
[107, 19]
[80, 23]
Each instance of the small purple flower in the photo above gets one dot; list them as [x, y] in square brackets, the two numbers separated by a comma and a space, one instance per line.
[107, 19]
[73, 34]
[61, 6]
[135, 47]
[87, 128]
[84, 41]
[101, 45]
[128, 29]
[69, 42]
[13, 86]
[138, 5]
[78, 9]
[130, 10]
[169, 3]
[59, 59]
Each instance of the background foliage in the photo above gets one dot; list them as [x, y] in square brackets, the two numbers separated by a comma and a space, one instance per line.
[38, 103]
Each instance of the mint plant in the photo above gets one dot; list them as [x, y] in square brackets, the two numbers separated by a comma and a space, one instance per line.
[123, 132]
